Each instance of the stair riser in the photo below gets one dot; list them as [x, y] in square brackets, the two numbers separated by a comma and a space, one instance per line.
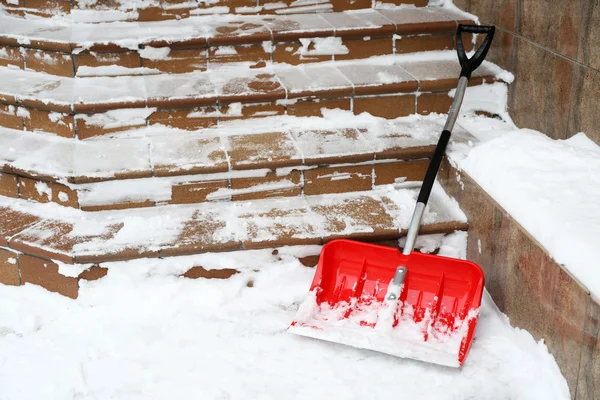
[202, 58]
[387, 104]
[19, 269]
[168, 10]
[297, 182]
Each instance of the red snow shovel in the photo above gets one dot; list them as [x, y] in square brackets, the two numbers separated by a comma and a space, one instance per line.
[406, 304]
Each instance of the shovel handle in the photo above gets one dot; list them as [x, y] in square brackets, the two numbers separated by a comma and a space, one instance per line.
[468, 66]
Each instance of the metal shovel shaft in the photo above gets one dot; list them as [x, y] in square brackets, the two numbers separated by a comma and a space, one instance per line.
[413, 228]
[395, 286]
[468, 65]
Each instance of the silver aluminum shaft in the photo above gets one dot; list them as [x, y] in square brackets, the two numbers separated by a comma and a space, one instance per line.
[394, 288]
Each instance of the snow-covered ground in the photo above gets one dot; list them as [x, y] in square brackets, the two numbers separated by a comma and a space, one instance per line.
[143, 332]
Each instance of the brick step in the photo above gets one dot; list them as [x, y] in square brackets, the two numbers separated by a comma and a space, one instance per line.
[70, 107]
[196, 44]
[18, 268]
[72, 236]
[158, 10]
[258, 158]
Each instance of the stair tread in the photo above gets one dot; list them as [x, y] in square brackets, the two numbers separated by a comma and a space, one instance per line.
[394, 73]
[72, 236]
[218, 152]
[218, 29]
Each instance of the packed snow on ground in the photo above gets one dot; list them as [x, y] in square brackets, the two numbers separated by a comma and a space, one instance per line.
[143, 332]
[552, 188]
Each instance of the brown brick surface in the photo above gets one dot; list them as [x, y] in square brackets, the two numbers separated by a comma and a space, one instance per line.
[8, 185]
[338, 179]
[49, 62]
[119, 206]
[45, 273]
[9, 117]
[253, 54]
[385, 106]
[366, 47]
[195, 192]
[179, 61]
[14, 222]
[94, 273]
[45, 192]
[64, 195]
[367, 215]
[190, 120]
[193, 156]
[11, 56]
[201, 272]
[198, 235]
[86, 130]
[309, 261]
[290, 53]
[49, 7]
[35, 190]
[312, 107]
[289, 227]
[412, 44]
[9, 268]
[270, 150]
[236, 31]
[389, 173]
[51, 122]
[251, 187]
[256, 89]
[158, 14]
[46, 105]
[128, 59]
[343, 5]
[428, 103]
[257, 110]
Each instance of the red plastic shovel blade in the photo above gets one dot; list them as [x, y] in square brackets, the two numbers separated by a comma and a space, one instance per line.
[433, 321]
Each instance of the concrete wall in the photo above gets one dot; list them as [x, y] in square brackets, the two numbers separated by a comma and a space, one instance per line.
[553, 48]
[534, 291]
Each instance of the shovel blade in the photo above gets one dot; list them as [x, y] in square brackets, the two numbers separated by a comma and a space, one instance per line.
[433, 320]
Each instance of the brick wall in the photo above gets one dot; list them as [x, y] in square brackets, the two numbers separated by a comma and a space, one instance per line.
[553, 48]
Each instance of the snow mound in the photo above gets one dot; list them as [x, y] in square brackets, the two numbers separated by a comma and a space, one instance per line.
[552, 188]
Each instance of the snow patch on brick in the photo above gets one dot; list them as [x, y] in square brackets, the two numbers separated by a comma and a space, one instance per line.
[43, 188]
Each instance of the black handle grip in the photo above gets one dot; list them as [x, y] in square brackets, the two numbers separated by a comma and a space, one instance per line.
[475, 28]
[433, 168]
[470, 64]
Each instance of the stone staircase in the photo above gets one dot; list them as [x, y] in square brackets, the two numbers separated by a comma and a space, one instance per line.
[160, 132]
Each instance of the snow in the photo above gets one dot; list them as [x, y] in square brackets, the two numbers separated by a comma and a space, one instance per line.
[64, 197]
[43, 188]
[228, 79]
[115, 70]
[491, 98]
[305, 10]
[406, 340]
[155, 53]
[552, 188]
[61, 157]
[142, 332]
[118, 118]
[321, 47]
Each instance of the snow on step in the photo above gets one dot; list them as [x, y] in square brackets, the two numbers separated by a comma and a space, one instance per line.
[270, 142]
[74, 236]
[550, 187]
[233, 28]
[383, 74]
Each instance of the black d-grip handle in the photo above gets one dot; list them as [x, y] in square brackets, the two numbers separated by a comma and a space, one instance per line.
[470, 64]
